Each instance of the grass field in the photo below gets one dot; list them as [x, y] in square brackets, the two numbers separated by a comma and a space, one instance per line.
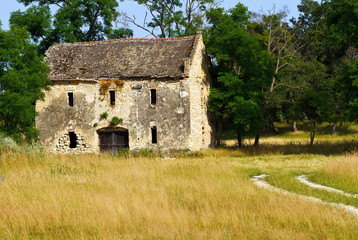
[203, 195]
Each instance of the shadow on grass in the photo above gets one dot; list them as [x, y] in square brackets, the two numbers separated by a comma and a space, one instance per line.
[325, 148]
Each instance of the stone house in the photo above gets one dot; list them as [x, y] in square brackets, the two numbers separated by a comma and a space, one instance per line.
[132, 93]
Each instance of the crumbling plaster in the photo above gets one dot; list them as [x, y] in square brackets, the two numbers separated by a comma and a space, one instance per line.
[180, 114]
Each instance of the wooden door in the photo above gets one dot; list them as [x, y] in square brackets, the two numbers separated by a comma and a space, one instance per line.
[113, 141]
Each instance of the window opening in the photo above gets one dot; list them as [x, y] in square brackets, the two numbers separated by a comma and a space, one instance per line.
[73, 140]
[154, 135]
[112, 96]
[70, 99]
[153, 96]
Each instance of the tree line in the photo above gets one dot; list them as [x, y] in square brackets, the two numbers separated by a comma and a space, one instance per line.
[265, 68]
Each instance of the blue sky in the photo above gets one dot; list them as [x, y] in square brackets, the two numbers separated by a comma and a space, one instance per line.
[8, 6]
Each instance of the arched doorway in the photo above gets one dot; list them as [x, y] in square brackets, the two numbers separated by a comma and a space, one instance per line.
[113, 139]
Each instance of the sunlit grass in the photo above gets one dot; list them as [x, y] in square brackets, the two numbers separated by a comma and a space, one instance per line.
[177, 195]
[210, 196]
[341, 174]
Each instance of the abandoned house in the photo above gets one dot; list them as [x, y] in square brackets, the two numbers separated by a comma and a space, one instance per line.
[126, 93]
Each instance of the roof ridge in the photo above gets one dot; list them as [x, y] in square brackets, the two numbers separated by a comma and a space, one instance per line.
[135, 39]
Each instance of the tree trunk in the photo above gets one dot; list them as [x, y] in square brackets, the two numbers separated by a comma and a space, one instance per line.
[239, 139]
[218, 133]
[274, 129]
[334, 129]
[340, 125]
[313, 132]
[257, 139]
[294, 126]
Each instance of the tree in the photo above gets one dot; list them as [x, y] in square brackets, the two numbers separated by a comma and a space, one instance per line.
[281, 44]
[74, 21]
[242, 69]
[342, 19]
[172, 18]
[349, 84]
[316, 106]
[23, 77]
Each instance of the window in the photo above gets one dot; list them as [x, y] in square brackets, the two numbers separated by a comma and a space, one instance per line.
[73, 140]
[112, 97]
[70, 99]
[153, 96]
[154, 135]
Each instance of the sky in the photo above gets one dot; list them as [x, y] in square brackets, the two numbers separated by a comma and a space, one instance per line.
[132, 8]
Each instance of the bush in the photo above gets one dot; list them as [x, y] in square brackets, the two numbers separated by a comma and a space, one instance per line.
[104, 115]
[115, 121]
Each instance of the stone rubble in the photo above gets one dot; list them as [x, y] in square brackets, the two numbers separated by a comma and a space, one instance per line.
[63, 145]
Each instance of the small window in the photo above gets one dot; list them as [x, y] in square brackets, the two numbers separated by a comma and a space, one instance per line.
[112, 97]
[153, 96]
[70, 99]
[154, 135]
[73, 140]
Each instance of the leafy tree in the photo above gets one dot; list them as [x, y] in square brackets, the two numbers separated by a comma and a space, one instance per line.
[76, 20]
[342, 19]
[349, 84]
[23, 77]
[172, 18]
[316, 106]
[242, 69]
[281, 43]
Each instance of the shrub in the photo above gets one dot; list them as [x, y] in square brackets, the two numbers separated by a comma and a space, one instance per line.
[95, 124]
[104, 115]
[115, 121]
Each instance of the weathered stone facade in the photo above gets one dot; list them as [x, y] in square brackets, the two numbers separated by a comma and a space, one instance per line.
[180, 80]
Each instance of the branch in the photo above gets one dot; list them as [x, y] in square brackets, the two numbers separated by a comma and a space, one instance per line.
[133, 21]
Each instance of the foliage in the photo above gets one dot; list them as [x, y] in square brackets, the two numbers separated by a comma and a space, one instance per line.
[349, 84]
[23, 77]
[104, 115]
[242, 69]
[342, 20]
[316, 106]
[115, 121]
[95, 124]
[173, 18]
[74, 21]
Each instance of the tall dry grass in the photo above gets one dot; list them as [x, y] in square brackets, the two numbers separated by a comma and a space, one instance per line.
[104, 197]
[341, 173]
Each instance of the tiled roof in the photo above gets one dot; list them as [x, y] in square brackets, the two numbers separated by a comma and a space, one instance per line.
[121, 58]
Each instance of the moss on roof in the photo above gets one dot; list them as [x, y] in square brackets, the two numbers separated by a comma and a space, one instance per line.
[121, 58]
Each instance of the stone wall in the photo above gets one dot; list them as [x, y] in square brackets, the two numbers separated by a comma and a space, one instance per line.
[199, 78]
[179, 115]
[63, 145]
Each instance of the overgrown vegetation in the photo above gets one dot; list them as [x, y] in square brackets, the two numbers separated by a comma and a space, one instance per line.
[115, 121]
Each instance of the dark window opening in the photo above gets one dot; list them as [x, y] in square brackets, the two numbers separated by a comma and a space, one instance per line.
[112, 96]
[153, 96]
[73, 140]
[154, 135]
[70, 99]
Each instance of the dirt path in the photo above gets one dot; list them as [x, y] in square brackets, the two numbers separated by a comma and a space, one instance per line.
[260, 182]
[303, 179]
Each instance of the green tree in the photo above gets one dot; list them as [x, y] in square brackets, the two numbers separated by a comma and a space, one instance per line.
[73, 21]
[317, 107]
[242, 70]
[342, 20]
[172, 18]
[23, 77]
[281, 43]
